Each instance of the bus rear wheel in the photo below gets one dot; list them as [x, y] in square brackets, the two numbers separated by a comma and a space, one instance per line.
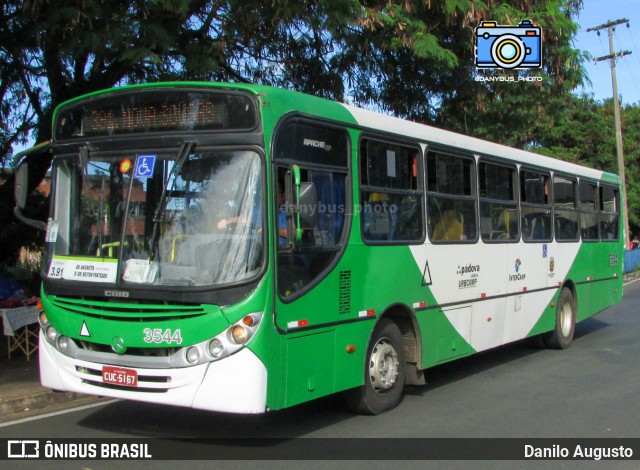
[384, 372]
[565, 327]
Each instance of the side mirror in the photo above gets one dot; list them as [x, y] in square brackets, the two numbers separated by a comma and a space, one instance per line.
[21, 184]
[302, 203]
[307, 206]
[21, 188]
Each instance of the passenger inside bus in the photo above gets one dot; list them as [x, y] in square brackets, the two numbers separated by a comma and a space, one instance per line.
[535, 228]
[379, 220]
[506, 226]
[282, 217]
[449, 227]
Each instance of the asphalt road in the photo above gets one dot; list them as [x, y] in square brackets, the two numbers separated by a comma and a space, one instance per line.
[590, 390]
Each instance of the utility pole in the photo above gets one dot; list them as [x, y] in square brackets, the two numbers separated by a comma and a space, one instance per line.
[616, 111]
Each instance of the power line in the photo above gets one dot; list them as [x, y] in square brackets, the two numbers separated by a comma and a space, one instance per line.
[635, 48]
[610, 26]
[630, 76]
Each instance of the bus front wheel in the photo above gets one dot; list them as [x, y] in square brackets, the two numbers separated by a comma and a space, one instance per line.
[384, 372]
[565, 326]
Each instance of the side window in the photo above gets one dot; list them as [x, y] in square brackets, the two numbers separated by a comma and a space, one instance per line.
[498, 202]
[535, 206]
[321, 152]
[391, 199]
[451, 206]
[565, 209]
[588, 210]
[608, 217]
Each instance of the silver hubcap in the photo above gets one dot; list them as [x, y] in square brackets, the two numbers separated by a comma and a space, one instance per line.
[383, 366]
[565, 319]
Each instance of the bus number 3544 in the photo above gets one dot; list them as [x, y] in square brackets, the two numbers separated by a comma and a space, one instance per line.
[158, 336]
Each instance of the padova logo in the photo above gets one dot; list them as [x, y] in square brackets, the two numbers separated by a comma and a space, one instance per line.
[469, 274]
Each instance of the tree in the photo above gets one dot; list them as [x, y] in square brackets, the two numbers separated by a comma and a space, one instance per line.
[412, 59]
[53, 51]
[584, 133]
[631, 138]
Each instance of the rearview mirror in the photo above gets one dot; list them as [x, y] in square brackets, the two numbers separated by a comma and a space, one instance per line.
[307, 206]
[302, 201]
[21, 185]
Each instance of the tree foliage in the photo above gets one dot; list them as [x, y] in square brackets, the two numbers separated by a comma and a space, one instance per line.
[583, 132]
[411, 59]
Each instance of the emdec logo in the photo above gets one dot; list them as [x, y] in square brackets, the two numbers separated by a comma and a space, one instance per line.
[508, 47]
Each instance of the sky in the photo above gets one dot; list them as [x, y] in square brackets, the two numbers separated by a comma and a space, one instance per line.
[595, 13]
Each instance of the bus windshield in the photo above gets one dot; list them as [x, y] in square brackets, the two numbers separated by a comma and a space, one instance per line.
[182, 218]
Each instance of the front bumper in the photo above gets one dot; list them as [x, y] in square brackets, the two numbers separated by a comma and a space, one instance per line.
[235, 384]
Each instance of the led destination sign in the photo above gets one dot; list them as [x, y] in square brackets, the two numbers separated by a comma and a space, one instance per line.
[156, 111]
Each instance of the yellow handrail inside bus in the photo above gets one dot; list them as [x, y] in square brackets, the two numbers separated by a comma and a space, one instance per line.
[174, 243]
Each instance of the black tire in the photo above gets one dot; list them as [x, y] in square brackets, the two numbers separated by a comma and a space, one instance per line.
[384, 372]
[565, 327]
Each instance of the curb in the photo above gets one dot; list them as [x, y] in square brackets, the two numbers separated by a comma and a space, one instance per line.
[631, 276]
[38, 400]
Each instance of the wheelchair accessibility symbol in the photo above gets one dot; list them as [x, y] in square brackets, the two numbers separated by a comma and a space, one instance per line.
[144, 166]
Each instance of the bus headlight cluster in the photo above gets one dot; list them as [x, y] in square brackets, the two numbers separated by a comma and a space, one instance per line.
[62, 343]
[235, 337]
[47, 329]
[226, 343]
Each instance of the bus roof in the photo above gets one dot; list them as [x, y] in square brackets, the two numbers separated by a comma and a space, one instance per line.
[383, 123]
[428, 134]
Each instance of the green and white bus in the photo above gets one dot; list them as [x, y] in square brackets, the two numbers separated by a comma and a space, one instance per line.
[243, 248]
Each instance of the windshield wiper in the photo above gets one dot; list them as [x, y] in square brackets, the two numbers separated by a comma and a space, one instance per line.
[158, 216]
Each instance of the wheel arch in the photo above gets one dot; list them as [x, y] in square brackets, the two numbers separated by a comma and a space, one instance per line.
[561, 336]
[569, 284]
[405, 318]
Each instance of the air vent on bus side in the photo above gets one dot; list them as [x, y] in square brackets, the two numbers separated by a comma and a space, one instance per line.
[344, 292]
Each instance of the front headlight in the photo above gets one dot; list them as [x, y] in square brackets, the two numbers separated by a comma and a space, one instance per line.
[51, 333]
[63, 343]
[216, 348]
[230, 341]
[239, 334]
[193, 355]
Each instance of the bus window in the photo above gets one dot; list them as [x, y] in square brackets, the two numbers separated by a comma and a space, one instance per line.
[316, 150]
[391, 199]
[498, 202]
[608, 215]
[565, 209]
[535, 206]
[451, 206]
[588, 215]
